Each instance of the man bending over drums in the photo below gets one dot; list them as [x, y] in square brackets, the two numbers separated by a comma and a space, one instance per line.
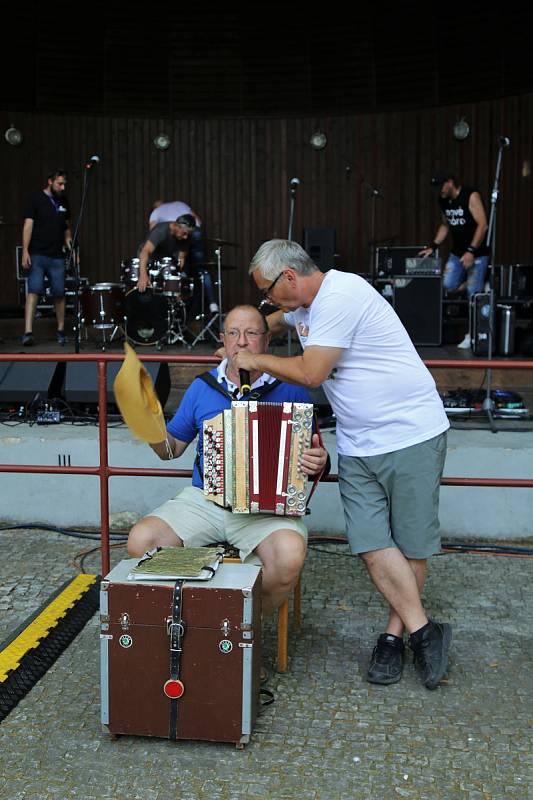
[190, 520]
[166, 240]
[169, 212]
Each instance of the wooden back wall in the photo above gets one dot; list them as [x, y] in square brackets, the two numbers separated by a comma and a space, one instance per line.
[235, 173]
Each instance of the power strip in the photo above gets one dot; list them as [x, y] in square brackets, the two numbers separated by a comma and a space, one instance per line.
[49, 418]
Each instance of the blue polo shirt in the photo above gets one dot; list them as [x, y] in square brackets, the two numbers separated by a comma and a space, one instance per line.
[201, 402]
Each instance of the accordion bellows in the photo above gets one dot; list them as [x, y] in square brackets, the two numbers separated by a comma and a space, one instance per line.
[251, 457]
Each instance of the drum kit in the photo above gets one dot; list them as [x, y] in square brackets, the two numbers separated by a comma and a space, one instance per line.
[159, 315]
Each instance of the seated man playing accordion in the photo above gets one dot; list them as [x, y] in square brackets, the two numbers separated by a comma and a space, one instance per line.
[191, 520]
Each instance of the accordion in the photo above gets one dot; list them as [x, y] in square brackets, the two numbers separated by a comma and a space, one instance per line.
[251, 455]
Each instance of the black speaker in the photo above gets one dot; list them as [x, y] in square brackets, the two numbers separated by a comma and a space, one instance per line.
[81, 382]
[320, 246]
[418, 303]
[22, 381]
[480, 323]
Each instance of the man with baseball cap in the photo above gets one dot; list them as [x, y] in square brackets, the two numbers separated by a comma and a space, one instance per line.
[463, 214]
[166, 240]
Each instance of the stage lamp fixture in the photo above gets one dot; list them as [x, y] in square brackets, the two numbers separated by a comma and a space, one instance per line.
[318, 140]
[13, 136]
[461, 129]
[162, 141]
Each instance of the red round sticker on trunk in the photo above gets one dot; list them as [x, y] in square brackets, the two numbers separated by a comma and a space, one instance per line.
[173, 689]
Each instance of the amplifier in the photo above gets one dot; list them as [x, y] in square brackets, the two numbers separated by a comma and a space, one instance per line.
[392, 261]
[418, 302]
[46, 301]
[513, 281]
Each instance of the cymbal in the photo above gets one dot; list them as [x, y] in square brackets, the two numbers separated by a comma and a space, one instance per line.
[221, 241]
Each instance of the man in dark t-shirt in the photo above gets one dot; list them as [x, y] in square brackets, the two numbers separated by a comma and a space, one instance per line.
[463, 214]
[166, 240]
[45, 233]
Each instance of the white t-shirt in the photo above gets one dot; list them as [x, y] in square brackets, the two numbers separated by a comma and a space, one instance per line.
[169, 212]
[383, 396]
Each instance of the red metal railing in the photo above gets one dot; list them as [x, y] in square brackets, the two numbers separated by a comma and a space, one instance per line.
[104, 471]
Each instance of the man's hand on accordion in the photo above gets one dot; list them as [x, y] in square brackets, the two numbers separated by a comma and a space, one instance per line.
[314, 459]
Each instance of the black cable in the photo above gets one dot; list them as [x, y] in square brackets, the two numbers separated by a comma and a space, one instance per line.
[77, 534]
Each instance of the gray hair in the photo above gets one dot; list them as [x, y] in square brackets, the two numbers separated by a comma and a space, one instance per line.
[279, 254]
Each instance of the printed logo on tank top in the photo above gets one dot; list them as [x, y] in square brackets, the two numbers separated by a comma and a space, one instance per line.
[455, 216]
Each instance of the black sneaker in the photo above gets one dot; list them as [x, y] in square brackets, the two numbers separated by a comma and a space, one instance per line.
[386, 664]
[61, 338]
[27, 339]
[431, 652]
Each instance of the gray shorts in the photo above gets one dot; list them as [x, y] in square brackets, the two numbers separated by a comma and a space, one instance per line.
[392, 500]
[198, 522]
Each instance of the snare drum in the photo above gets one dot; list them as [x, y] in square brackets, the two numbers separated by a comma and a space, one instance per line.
[146, 316]
[103, 305]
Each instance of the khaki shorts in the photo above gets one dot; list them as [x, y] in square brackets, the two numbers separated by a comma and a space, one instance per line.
[392, 500]
[198, 522]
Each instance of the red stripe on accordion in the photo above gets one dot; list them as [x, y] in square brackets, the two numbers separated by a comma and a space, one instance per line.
[269, 417]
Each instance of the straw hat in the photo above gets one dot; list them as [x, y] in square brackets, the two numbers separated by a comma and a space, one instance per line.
[137, 400]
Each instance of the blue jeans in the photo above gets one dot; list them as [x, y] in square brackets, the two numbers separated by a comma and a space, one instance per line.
[455, 274]
[53, 267]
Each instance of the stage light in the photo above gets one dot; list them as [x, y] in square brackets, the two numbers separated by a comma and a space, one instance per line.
[318, 140]
[162, 141]
[13, 136]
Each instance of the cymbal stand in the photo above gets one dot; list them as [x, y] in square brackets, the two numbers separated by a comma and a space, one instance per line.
[175, 325]
[219, 315]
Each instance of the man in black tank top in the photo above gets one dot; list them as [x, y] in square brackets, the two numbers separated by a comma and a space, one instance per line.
[463, 214]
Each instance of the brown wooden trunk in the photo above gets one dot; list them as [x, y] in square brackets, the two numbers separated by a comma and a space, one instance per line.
[221, 682]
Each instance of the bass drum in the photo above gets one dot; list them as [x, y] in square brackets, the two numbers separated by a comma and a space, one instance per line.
[146, 314]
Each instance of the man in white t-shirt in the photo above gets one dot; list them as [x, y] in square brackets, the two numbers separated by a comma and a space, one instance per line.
[391, 436]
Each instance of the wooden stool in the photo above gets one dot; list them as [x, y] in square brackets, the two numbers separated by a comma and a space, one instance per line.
[283, 613]
[283, 625]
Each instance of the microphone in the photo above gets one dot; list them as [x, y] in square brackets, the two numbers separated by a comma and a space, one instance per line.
[504, 141]
[92, 162]
[293, 185]
[244, 377]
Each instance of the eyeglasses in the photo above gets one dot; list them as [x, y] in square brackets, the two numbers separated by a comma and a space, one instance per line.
[266, 292]
[233, 333]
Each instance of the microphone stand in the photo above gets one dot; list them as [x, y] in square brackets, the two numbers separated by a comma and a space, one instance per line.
[292, 191]
[73, 260]
[488, 402]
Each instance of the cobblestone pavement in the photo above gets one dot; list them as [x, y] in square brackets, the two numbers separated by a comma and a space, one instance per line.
[329, 735]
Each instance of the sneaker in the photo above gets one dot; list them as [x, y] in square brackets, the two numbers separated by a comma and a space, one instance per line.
[466, 344]
[213, 308]
[431, 652]
[386, 664]
[27, 339]
[61, 338]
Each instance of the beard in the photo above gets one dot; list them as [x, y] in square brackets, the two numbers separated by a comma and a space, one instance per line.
[57, 193]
